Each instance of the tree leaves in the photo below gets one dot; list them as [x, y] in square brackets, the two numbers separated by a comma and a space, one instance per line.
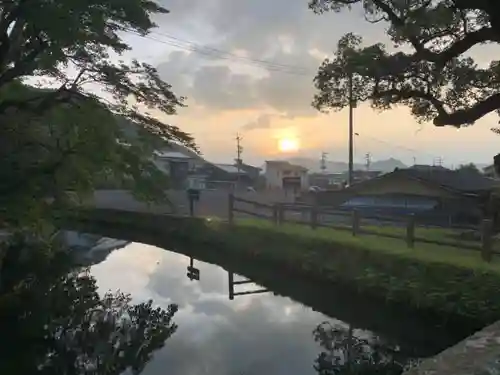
[54, 321]
[66, 132]
[436, 79]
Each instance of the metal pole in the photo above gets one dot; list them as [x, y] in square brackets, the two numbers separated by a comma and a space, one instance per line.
[239, 150]
[351, 132]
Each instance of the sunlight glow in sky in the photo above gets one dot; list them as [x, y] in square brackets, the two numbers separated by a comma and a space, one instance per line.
[261, 86]
[288, 144]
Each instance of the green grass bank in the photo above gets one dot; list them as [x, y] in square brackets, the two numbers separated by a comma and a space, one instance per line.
[438, 279]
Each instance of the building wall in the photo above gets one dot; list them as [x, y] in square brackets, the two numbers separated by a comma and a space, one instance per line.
[275, 173]
[273, 177]
[490, 172]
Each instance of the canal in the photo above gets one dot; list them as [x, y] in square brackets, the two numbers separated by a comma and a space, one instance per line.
[227, 324]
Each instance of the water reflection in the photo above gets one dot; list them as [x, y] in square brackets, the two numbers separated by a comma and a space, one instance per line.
[58, 320]
[418, 333]
[53, 321]
[253, 334]
[344, 352]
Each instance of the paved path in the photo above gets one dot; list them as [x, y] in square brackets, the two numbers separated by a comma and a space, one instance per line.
[211, 203]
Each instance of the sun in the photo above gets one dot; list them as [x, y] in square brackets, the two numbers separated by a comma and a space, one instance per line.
[288, 144]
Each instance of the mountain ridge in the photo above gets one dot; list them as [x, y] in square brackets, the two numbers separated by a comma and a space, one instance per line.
[384, 165]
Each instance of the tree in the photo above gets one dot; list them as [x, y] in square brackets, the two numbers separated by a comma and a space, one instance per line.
[471, 167]
[53, 321]
[344, 353]
[70, 130]
[432, 73]
[69, 150]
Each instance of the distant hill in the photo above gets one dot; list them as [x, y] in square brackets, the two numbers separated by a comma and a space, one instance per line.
[313, 165]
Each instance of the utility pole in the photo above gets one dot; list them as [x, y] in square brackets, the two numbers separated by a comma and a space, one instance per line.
[239, 150]
[368, 160]
[437, 161]
[323, 162]
[352, 105]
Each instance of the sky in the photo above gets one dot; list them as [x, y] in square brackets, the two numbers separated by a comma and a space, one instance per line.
[247, 67]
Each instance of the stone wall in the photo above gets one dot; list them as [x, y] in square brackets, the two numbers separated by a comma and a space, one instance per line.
[479, 354]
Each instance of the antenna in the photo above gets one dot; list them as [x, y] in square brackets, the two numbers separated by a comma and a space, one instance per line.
[368, 160]
[239, 151]
[322, 165]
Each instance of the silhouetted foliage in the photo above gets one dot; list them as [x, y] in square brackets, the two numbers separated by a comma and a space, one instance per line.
[53, 321]
[72, 112]
[344, 353]
[470, 167]
[434, 74]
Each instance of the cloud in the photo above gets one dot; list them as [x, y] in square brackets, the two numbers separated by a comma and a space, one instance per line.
[283, 32]
[264, 121]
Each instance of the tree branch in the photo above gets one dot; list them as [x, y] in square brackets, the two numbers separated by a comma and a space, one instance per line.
[485, 34]
[23, 66]
[413, 94]
[469, 115]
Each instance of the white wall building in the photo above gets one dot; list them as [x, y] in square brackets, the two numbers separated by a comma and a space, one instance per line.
[285, 176]
[490, 172]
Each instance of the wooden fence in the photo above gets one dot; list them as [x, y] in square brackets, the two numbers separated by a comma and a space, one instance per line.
[277, 214]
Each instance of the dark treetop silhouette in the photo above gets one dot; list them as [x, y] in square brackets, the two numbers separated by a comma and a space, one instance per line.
[437, 78]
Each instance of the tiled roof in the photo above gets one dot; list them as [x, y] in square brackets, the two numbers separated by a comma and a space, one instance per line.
[229, 168]
[171, 155]
[459, 180]
[285, 164]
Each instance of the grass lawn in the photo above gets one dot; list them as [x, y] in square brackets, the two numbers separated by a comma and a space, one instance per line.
[422, 251]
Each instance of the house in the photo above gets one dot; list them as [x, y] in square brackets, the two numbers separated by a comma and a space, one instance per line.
[338, 180]
[327, 180]
[286, 176]
[182, 167]
[439, 191]
[253, 172]
[229, 176]
[490, 171]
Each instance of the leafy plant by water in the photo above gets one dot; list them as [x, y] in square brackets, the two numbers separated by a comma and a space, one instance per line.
[53, 321]
[345, 353]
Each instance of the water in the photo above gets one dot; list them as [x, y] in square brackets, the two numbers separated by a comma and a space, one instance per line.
[54, 321]
[254, 333]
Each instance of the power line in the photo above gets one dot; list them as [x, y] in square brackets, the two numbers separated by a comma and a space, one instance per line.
[415, 151]
[223, 55]
[230, 54]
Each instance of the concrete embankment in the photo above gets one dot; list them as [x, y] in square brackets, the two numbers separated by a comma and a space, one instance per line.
[479, 354]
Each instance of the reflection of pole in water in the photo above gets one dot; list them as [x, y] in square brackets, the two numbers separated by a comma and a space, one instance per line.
[192, 272]
[349, 346]
[232, 283]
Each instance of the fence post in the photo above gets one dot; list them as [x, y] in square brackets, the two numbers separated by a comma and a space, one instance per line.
[230, 277]
[355, 222]
[314, 216]
[230, 212]
[410, 231]
[486, 239]
[275, 214]
[281, 214]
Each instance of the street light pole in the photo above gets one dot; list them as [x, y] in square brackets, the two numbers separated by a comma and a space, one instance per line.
[351, 131]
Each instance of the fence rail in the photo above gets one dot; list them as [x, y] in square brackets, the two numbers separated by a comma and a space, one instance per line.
[277, 214]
